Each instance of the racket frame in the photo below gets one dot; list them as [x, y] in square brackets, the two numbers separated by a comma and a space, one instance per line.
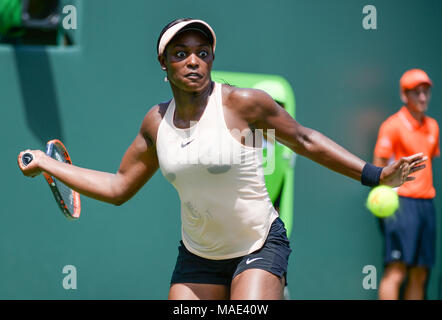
[52, 184]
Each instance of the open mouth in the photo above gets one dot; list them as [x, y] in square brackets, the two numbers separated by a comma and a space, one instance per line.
[193, 75]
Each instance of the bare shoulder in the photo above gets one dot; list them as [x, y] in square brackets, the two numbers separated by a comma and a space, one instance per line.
[246, 102]
[152, 120]
[235, 97]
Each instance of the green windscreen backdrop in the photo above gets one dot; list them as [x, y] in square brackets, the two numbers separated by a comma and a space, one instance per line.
[279, 160]
[94, 95]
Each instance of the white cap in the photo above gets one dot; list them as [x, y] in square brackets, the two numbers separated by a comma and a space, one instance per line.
[190, 24]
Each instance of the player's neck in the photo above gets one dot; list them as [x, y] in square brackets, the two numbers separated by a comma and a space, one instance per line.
[189, 105]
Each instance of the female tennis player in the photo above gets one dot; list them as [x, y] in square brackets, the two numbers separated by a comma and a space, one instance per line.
[233, 243]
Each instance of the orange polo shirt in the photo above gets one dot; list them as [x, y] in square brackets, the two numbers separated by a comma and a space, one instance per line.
[401, 135]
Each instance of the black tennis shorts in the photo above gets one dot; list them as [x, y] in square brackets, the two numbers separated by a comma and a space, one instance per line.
[272, 257]
[410, 234]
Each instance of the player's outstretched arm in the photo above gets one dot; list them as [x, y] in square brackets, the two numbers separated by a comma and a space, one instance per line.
[138, 165]
[262, 112]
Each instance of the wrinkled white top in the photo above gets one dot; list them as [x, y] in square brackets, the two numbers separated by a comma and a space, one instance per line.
[225, 208]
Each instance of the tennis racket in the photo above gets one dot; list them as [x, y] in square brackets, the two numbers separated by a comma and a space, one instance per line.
[67, 199]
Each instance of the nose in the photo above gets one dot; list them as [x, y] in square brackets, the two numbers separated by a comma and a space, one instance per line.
[422, 96]
[193, 61]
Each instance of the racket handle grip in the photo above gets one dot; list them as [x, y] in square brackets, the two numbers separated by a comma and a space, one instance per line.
[26, 158]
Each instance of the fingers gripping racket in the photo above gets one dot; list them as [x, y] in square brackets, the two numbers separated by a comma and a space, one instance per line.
[67, 199]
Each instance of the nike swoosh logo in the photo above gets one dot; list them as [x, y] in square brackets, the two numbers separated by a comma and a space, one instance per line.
[185, 144]
[248, 261]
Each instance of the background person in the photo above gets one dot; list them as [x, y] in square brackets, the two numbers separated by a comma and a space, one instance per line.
[410, 235]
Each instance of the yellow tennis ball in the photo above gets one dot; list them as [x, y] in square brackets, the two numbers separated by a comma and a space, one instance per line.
[382, 201]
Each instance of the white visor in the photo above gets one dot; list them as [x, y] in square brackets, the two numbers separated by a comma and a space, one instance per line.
[172, 31]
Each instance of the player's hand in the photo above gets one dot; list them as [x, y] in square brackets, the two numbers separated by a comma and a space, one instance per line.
[33, 168]
[398, 172]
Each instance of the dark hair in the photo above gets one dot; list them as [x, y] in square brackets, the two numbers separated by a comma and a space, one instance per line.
[176, 21]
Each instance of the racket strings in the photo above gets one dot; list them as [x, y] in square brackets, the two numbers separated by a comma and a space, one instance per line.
[66, 193]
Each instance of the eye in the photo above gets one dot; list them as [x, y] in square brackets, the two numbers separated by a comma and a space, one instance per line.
[181, 54]
[203, 54]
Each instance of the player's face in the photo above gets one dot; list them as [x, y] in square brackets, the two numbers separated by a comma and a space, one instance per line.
[188, 61]
[418, 98]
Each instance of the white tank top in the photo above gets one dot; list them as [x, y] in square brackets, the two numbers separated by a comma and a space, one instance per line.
[225, 208]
